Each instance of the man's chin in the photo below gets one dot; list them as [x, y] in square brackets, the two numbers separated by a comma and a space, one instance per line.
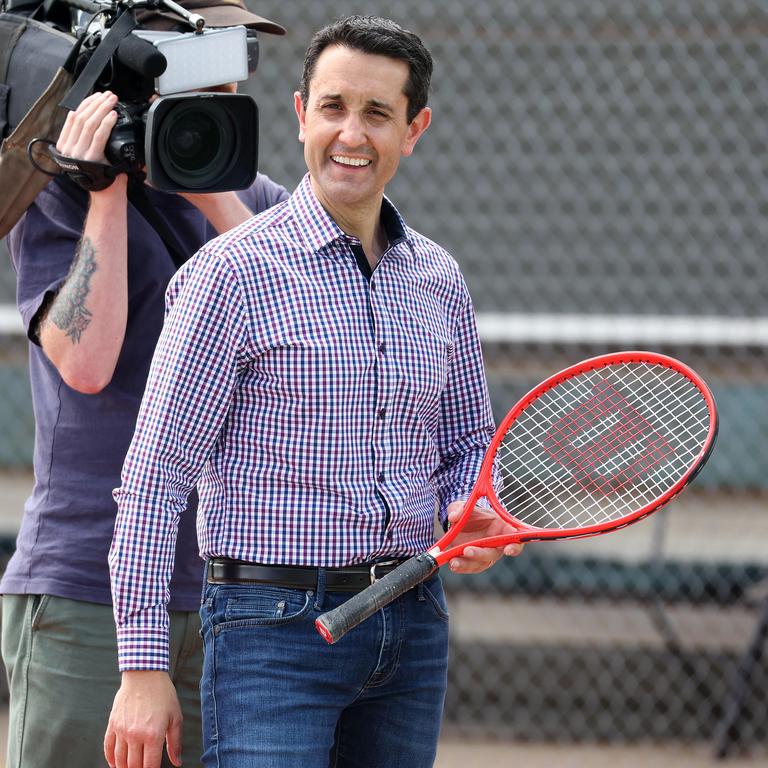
[344, 192]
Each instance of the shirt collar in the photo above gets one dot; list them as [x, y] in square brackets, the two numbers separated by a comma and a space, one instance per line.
[392, 222]
[319, 228]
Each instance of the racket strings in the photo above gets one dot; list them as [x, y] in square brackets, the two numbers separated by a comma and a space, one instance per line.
[601, 445]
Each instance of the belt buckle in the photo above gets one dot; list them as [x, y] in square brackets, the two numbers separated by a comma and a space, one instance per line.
[376, 565]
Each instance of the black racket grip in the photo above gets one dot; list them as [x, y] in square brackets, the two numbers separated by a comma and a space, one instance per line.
[334, 624]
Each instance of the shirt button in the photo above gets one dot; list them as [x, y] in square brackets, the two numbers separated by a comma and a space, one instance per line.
[381, 348]
[381, 477]
[382, 413]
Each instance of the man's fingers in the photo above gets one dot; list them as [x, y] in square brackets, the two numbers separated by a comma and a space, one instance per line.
[152, 755]
[75, 120]
[71, 121]
[141, 750]
[101, 136]
[459, 565]
[65, 133]
[86, 130]
[121, 753]
[475, 559]
[173, 742]
[87, 145]
[109, 746]
[136, 755]
[478, 559]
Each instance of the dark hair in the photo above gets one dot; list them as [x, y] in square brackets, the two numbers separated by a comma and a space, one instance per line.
[382, 37]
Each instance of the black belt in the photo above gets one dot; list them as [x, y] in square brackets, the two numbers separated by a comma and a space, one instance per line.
[355, 578]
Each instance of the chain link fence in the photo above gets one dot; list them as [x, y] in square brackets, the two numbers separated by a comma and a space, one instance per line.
[600, 171]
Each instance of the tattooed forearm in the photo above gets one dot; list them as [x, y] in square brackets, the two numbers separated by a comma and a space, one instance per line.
[68, 311]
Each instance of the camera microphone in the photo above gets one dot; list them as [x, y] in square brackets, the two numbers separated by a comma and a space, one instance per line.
[141, 57]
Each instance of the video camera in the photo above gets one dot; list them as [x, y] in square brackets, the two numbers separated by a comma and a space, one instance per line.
[182, 137]
[199, 141]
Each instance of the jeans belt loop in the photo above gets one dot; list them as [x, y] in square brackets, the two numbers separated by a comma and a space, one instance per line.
[320, 593]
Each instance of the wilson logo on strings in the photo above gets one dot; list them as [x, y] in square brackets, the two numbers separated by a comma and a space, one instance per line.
[605, 443]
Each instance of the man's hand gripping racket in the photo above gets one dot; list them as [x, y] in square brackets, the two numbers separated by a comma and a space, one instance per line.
[590, 450]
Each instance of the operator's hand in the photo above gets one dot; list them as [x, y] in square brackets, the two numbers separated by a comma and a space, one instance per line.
[145, 714]
[86, 130]
[482, 523]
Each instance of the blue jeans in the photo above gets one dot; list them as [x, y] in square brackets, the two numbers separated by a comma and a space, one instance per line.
[276, 695]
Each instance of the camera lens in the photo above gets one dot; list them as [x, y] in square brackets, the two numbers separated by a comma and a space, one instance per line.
[197, 142]
[206, 142]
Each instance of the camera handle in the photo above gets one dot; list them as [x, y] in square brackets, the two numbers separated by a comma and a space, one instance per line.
[194, 19]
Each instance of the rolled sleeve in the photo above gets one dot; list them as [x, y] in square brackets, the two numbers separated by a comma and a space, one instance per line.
[43, 246]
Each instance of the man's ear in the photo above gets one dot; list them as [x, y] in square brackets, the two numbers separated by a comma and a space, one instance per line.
[416, 127]
[298, 105]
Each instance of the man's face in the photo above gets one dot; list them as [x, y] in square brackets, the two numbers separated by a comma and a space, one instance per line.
[354, 128]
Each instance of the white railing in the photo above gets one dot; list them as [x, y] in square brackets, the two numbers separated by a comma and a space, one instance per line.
[639, 330]
[10, 322]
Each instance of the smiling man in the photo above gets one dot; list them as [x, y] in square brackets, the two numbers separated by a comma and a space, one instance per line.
[319, 378]
[356, 125]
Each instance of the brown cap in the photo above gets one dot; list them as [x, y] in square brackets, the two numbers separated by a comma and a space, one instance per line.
[217, 13]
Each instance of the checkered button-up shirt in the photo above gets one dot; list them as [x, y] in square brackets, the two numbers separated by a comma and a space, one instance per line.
[321, 413]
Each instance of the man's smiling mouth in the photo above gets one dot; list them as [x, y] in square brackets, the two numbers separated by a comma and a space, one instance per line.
[357, 162]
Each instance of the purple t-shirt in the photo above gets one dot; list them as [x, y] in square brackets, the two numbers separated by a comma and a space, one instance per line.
[81, 440]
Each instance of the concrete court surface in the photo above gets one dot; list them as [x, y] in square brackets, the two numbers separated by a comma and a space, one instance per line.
[461, 754]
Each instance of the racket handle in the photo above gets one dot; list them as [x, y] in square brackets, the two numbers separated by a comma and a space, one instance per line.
[334, 624]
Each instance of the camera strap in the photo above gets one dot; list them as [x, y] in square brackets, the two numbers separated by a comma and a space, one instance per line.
[138, 198]
[83, 86]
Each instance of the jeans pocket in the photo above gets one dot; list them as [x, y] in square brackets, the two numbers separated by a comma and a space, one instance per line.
[262, 606]
[435, 596]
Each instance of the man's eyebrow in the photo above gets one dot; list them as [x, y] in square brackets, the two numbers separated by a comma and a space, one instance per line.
[380, 105]
[383, 105]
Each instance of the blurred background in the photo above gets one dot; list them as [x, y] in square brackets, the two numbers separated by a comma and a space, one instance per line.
[600, 171]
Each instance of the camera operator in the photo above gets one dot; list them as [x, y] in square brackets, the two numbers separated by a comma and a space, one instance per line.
[92, 272]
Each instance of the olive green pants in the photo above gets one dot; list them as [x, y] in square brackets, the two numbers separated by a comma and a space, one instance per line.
[61, 660]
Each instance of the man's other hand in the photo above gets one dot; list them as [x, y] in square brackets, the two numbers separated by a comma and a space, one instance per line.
[145, 714]
[481, 524]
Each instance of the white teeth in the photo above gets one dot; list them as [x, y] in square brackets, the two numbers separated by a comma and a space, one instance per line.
[356, 161]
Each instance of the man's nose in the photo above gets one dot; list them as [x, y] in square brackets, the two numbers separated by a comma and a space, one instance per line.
[352, 132]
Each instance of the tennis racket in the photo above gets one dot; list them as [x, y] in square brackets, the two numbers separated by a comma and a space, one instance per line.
[590, 450]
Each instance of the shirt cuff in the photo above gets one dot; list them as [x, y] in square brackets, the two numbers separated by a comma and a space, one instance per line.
[142, 648]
